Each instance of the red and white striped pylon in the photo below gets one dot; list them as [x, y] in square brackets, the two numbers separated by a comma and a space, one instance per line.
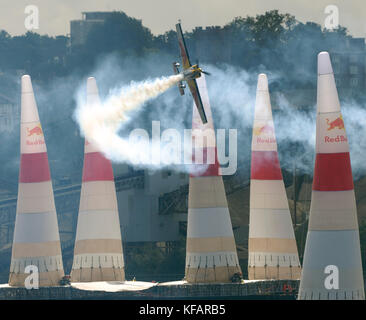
[211, 254]
[272, 246]
[98, 254]
[332, 267]
[36, 235]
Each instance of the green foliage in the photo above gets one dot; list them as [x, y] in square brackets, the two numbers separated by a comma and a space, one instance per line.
[254, 43]
[41, 56]
[271, 27]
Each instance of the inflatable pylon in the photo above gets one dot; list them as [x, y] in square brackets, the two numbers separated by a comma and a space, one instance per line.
[272, 246]
[332, 268]
[211, 254]
[36, 235]
[98, 254]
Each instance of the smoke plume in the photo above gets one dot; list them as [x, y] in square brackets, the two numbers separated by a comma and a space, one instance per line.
[100, 122]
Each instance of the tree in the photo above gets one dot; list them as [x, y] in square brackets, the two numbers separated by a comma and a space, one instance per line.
[272, 27]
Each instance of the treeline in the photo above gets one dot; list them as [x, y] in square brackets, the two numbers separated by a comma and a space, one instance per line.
[272, 41]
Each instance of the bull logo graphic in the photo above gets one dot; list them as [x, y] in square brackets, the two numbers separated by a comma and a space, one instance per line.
[37, 130]
[266, 129]
[337, 123]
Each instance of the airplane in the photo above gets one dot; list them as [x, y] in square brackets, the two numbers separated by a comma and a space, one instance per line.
[190, 74]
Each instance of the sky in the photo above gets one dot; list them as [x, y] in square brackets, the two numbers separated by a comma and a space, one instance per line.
[161, 15]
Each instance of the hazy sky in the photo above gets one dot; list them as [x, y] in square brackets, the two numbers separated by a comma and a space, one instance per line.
[161, 15]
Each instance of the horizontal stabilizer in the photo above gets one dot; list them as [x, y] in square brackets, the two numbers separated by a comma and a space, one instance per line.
[181, 86]
[175, 67]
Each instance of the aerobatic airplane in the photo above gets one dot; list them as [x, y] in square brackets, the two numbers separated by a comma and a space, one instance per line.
[190, 73]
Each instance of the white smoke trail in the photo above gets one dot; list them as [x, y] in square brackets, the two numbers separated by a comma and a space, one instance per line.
[232, 97]
[100, 122]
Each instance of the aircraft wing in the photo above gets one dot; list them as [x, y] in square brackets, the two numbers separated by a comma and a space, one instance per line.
[197, 99]
[183, 48]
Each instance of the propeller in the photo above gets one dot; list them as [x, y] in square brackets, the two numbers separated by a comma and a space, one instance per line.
[205, 72]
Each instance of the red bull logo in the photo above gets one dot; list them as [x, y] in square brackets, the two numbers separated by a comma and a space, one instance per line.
[337, 123]
[266, 129]
[37, 130]
[339, 138]
[38, 133]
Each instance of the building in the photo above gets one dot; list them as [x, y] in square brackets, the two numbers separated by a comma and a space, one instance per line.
[9, 114]
[350, 65]
[144, 206]
[79, 29]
